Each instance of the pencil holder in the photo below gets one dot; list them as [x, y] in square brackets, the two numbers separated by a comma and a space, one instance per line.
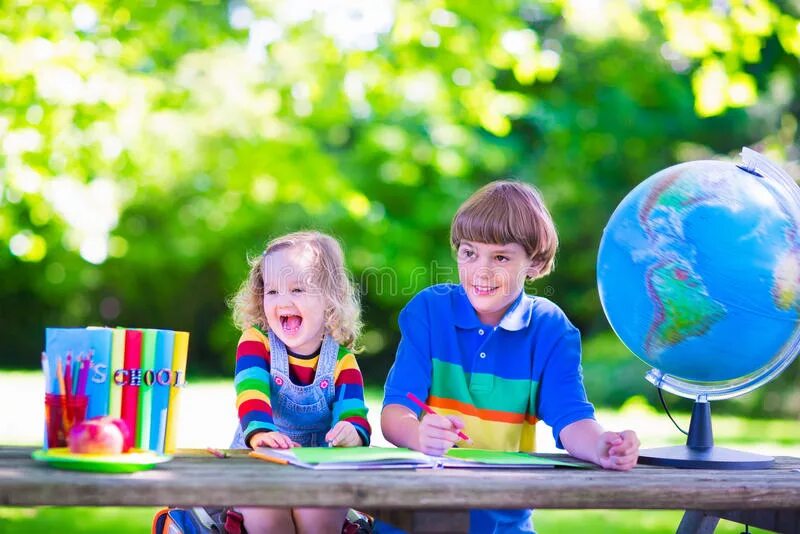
[61, 413]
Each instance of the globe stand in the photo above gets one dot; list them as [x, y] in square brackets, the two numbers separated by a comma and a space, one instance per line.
[669, 310]
[699, 451]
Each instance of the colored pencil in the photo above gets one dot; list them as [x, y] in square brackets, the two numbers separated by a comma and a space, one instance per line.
[216, 452]
[428, 410]
[267, 458]
[83, 374]
[60, 376]
[68, 376]
[77, 362]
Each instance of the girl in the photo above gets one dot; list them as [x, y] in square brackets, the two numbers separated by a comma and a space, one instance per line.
[297, 381]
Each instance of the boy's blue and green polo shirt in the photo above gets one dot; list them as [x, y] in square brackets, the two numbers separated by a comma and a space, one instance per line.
[499, 380]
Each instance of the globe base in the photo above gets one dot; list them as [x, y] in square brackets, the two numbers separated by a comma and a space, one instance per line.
[711, 458]
[699, 451]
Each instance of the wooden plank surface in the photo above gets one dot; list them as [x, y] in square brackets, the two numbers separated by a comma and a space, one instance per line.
[198, 478]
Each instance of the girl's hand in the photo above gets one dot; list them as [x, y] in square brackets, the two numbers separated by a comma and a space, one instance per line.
[437, 433]
[273, 440]
[618, 451]
[343, 434]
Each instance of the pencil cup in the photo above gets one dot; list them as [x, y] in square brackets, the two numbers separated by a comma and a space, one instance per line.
[60, 414]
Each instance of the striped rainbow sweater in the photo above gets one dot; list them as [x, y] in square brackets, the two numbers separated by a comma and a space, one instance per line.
[253, 386]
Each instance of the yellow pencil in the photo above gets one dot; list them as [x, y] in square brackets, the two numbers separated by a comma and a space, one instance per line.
[60, 377]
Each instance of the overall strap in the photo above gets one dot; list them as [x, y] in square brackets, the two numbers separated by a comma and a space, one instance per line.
[279, 359]
[328, 356]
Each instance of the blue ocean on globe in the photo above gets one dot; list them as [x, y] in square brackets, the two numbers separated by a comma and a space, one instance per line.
[699, 271]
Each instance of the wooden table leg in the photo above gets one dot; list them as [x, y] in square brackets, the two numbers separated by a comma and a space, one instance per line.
[784, 520]
[697, 522]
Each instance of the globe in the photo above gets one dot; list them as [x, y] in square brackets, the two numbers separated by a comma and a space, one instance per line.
[699, 275]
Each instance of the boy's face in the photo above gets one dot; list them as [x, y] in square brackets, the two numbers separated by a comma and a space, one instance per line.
[293, 305]
[493, 276]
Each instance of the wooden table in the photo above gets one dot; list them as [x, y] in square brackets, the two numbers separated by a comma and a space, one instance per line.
[417, 500]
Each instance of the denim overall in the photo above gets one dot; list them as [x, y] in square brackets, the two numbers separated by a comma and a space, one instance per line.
[302, 413]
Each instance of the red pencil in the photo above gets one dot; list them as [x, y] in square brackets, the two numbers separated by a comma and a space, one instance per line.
[427, 409]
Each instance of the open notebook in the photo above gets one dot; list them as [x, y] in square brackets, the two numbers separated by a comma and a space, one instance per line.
[399, 458]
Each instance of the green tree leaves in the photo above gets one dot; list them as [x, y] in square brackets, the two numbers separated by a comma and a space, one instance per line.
[146, 148]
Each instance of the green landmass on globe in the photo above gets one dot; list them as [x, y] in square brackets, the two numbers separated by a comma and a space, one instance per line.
[683, 306]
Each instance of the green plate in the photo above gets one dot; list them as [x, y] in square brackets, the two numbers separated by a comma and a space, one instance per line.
[103, 463]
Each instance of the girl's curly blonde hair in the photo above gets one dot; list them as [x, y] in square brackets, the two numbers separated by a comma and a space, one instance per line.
[342, 311]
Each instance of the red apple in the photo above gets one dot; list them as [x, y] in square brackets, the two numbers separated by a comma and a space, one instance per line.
[126, 432]
[99, 435]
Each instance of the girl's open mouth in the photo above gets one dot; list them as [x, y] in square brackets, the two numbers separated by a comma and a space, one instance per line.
[291, 324]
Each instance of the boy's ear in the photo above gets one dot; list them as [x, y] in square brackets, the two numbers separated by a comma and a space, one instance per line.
[534, 269]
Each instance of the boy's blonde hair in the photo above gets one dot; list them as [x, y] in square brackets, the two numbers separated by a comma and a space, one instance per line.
[342, 311]
[504, 212]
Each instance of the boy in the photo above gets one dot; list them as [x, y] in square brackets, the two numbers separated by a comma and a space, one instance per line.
[492, 360]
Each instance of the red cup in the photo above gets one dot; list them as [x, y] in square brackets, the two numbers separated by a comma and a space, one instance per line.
[61, 413]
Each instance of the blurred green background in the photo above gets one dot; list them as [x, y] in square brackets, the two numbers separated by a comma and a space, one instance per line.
[146, 148]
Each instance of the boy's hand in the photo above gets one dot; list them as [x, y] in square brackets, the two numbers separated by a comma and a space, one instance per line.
[437, 433]
[343, 434]
[273, 440]
[618, 450]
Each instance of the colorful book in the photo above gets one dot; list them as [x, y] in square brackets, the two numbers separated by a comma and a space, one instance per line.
[324, 458]
[117, 363]
[146, 389]
[131, 378]
[82, 342]
[165, 345]
[99, 377]
[179, 354]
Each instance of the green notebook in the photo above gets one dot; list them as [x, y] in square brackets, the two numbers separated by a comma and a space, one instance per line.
[399, 458]
[467, 458]
[345, 457]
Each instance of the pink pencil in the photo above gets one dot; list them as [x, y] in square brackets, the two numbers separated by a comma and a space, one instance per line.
[216, 452]
[428, 410]
[68, 376]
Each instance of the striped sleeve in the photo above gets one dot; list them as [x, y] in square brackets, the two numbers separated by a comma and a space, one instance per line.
[252, 384]
[348, 402]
